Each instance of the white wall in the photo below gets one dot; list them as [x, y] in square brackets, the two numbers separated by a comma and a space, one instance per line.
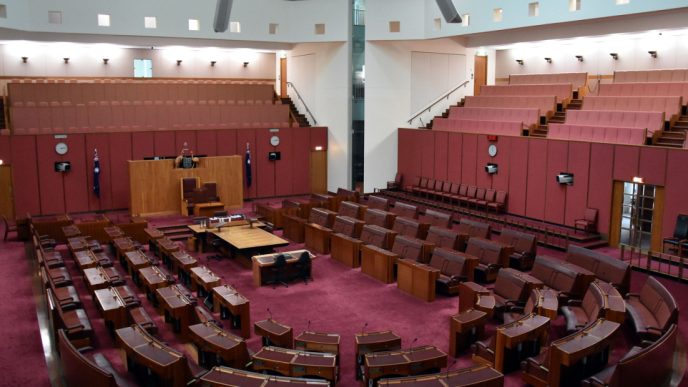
[86, 60]
[433, 73]
[321, 73]
[388, 99]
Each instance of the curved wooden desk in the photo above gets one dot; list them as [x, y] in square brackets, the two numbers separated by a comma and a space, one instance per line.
[370, 342]
[292, 362]
[274, 333]
[178, 304]
[232, 305]
[224, 376]
[477, 376]
[209, 338]
[409, 362]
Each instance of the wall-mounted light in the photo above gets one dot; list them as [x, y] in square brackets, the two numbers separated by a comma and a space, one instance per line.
[25, 59]
[319, 148]
[548, 60]
[614, 55]
[212, 63]
[519, 61]
[245, 64]
[638, 180]
[66, 60]
[652, 53]
[1, 162]
[579, 57]
[565, 178]
[491, 168]
[179, 62]
[106, 60]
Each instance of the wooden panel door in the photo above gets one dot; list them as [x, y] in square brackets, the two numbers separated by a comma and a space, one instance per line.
[6, 194]
[283, 78]
[480, 73]
[318, 172]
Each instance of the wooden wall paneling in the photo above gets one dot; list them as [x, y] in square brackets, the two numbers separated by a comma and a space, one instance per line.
[285, 169]
[577, 194]
[652, 165]
[441, 143]
[482, 178]
[427, 161]
[75, 182]
[264, 168]
[6, 192]
[318, 137]
[500, 180]
[206, 142]
[615, 220]
[469, 160]
[658, 220]
[165, 144]
[409, 146]
[626, 161]
[453, 157]
[555, 197]
[227, 143]
[318, 169]
[675, 190]
[154, 184]
[25, 176]
[5, 149]
[537, 178]
[121, 148]
[518, 176]
[185, 136]
[301, 152]
[51, 182]
[600, 186]
[143, 145]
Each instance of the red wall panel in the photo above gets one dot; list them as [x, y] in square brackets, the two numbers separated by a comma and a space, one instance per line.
[264, 168]
[227, 143]
[51, 182]
[318, 137]
[675, 190]
[76, 182]
[409, 165]
[284, 168]
[577, 194]
[248, 136]
[468, 158]
[483, 179]
[206, 142]
[5, 151]
[555, 197]
[441, 141]
[100, 141]
[653, 165]
[120, 154]
[185, 136]
[626, 160]
[301, 182]
[165, 144]
[427, 163]
[537, 179]
[518, 186]
[500, 180]
[25, 176]
[142, 145]
[453, 157]
[601, 183]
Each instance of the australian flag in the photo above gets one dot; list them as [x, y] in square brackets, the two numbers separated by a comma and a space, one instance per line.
[247, 163]
[96, 174]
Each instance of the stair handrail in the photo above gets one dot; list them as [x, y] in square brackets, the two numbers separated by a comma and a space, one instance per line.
[290, 84]
[437, 100]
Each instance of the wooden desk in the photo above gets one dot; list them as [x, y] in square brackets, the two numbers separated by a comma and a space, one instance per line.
[464, 329]
[153, 278]
[208, 209]
[417, 279]
[317, 238]
[153, 234]
[294, 228]
[318, 342]
[183, 262]
[571, 349]
[231, 304]
[260, 264]
[143, 350]
[113, 232]
[86, 259]
[409, 362]
[177, 304]
[81, 243]
[274, 333]
[113, 304]
[531, 327]
[122, 246]
[370, 342]
[209, 338]
[346, 250]
[474, 296]
[476, 376]
[71, 231]
[378, 263]
[273, 214]
[614, 305]
[102, 277]
[547, 304]
[203, 280]
[292, 362]
[135, 260]
[229, 377]
[165, 248]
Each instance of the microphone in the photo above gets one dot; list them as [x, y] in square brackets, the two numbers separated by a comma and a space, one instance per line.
[269, 314]
[364, 327]
[450, 367]
[308, 327]
[412, 342]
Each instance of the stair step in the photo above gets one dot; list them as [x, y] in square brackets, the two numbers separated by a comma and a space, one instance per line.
[673, 135]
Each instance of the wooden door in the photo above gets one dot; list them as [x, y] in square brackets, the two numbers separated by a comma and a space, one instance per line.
[480, 73]
[283, 77]
[318, 172]
[6, 194]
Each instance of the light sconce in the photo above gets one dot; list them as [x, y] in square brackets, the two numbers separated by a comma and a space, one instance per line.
[66, 60]
[638, 180]
[212, 63]
[579, 57]
[652, 53]
[106, 60]
[1, 162]
[25, 59]
[319, 148]
[548, 60]
[179, 62]
[245, 64]
[519, 61]
[614, 55]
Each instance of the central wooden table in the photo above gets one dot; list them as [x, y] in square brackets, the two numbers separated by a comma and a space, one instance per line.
[246, 241]
[231, 304]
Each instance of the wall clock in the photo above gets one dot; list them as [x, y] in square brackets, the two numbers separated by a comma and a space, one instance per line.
[492, 150]
[61, 148]
[274, 140]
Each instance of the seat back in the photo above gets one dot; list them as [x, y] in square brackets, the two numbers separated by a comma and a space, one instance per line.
[488, 252]
[681, 229]
[442, 237]
[590, 215]
[189, 184]
[510, 286]
[522, 242]
[554, 275]
[377, 217]
[660, 302]
[474, 229]
[606, 268]
[375, 235]
[409, 227]
[408, 248]
[378, 203]
[436, 218]
[348, 226]
[593, 301]
[405, 210]
[322, 217]
[79, 370]
[347, 208]
[450, 262]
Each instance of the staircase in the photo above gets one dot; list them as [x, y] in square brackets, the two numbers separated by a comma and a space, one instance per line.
[300, 118]
[675, 136]
[177, 232]
[445, 114]
[559, 117]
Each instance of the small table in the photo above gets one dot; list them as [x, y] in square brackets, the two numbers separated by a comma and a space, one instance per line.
[209, 338]
[465, 328]
[113, 303]
[318, 342]
[152, 278]
[231, 304]
[135, 260]
[183, 263]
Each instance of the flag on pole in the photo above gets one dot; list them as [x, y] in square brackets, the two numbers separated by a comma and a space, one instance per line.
[248, 165]
[96, 173]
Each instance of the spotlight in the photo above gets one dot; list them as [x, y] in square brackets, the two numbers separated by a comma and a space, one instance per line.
[652, 53]
[179, 62]
[565, 178]
[66, 60]
[106, 60]
[614, 55]
[212, 63]
[579, 57]
[491, 168]
[245, 64]
[25, 59]
[519, 61]
[548, 60]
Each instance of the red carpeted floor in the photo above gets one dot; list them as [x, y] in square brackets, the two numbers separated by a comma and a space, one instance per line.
[339, 300]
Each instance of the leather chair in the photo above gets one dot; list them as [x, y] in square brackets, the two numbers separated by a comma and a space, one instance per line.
[525, 247]
[579, 313]
[278, 271]
[679, 240]
[589, 221]
[652, 310]
[303, 267]
[396, 183]
[8, 227]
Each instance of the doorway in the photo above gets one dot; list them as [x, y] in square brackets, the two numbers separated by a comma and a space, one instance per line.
[638, 206]
[6, 195]
[283, 78]
[479, 73]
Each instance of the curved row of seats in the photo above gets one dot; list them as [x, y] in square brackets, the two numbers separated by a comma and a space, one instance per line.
[495, 128]
[529, 117]
[648, 89]
[562, 92]
[604, 134]
[670, 106]
[547, 104]
[577, 80]
[462, 194]
[668, 75]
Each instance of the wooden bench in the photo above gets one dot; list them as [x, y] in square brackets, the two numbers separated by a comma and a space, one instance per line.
[606, 268]
[568, 280]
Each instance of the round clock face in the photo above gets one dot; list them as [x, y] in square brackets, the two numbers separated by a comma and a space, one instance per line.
[274, 140]
[61, 148]
[492, 150]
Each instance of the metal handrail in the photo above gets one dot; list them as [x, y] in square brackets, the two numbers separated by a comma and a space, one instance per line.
[435, 102]
[315, 122]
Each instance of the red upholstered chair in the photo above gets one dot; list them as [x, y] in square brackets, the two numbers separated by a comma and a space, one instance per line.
[8, 227]
[589, 221]
[396, 184]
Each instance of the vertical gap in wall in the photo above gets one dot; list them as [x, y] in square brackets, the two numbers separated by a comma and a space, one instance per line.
[358, 93]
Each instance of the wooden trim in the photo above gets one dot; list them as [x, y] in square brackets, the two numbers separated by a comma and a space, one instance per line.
[615, 223]
[273, 80]
[318, 171]
[6, 194]
[657, 218]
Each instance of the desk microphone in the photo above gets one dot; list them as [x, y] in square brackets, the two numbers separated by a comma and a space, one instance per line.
[412, 342]
[450, 367]
[308, 327]
[364, 327]
[269, 314]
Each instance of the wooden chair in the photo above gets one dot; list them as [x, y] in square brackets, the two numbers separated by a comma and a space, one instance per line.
[8, 227]
[589, 221]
